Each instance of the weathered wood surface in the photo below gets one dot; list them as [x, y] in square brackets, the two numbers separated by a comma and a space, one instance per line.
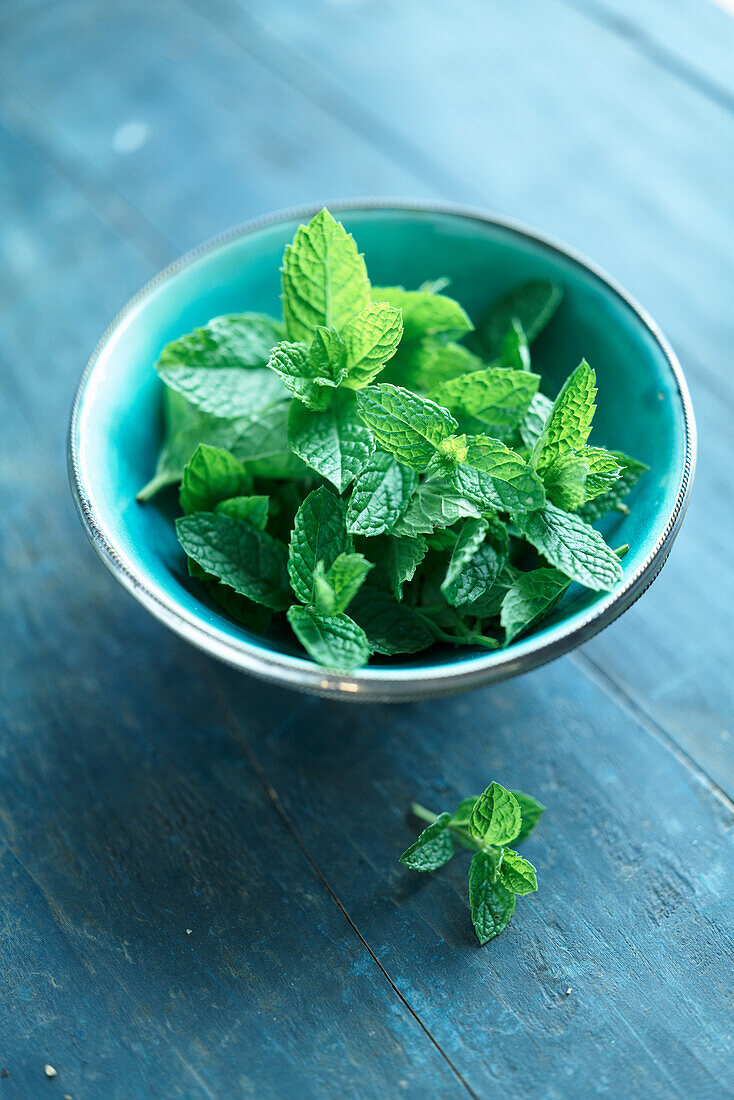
[145, 791]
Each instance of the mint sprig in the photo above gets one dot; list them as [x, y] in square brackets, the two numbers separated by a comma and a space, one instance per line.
[378, 475]
[485, 824]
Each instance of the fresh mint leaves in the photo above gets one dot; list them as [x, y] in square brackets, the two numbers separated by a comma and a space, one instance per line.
[486, 824]
[383, 478]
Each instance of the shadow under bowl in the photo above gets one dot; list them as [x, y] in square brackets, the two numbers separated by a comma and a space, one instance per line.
[644, 410]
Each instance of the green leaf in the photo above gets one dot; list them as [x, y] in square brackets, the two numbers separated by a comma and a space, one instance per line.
[410, 427]
[532, 596]
[604, 469]
[328, 355]
[424, 314]
[391, 627]
[434, 505]
[331, 640]
[531, 427]
[333, 590]
[434, 847]
[516, 874]
[324, 278]
[515, 353]
[249, 561]
[380, 495]
[496, 817]
[399, 558]
[371, 339]
[496, 397]
[565, 480]
[613, 499]
[572, 546]
[492, 904]
[335, 443]
[569, 423]
[532, 304]
[211, 475]
[434, 361]
[226, 393]
[319, 535]
[474, 567]
[252, 510]
[462, 814]
[311, 383]
[531, 811]
[516, 484]
[261, 441]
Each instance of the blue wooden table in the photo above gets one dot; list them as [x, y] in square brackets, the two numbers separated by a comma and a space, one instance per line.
[199, 887]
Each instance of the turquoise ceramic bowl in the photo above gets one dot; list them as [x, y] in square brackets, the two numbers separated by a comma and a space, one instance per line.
[644, 409]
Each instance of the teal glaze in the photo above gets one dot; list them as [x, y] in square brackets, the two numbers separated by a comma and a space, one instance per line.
[642, 408]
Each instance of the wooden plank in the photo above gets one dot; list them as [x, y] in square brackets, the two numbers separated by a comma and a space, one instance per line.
[641, 181]
[615, 978]
[161, 934]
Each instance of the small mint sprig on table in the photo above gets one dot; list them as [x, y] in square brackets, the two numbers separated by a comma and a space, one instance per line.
[486, 824]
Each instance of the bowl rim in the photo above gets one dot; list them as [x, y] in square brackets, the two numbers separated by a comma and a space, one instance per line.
[374, 683]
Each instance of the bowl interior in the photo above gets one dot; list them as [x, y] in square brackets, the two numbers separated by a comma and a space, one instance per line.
[119, 423]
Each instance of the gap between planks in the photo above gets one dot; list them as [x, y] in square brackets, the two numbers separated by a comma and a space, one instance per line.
[272, 795]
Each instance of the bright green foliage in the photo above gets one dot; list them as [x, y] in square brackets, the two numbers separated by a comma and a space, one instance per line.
[211, 475]
[574, 547]
[532, 596]
[516, 874]
[532, 305]
[496, 817]
[381, 493]
[335, 442]
[332, 640]
[434, 847]
[492, 904]
[319, 536]
[366, 418]
[324, 278]
[333, 590]
[251, 562]
[371, 338]
[410, 427]
[424, 314]
[253, 510]
[531, 811]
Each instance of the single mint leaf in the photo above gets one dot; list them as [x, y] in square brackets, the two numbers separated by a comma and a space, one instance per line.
[499, 399]
[324, 278]
[532, 304]
[604, 469]
[434, 847]
[371, 339]
[531, 811]
[334, 641]
[569, 423]
[462, 814]
[565, 480]
[492, 904]
[474, 568]
[532, 596]
[212, 474]
[319, 535]
[328, 355]
[496, 817]
[333, 590]
[235, 340]
[531, 427]
[380, 495]
[572, 546]
[613, 499]
[391, 627]
[251, 562]
[261, 441]
[434, 361]
[516, 874]
[400, 557]
[226, 393]
[409, 427]
[515, 353]
[294, 366]
[335, 443]
[252, 510]
[424, 314]
[516, 484]
[436, 504]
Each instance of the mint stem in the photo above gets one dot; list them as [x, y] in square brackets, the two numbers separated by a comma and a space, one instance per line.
[427, 815]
